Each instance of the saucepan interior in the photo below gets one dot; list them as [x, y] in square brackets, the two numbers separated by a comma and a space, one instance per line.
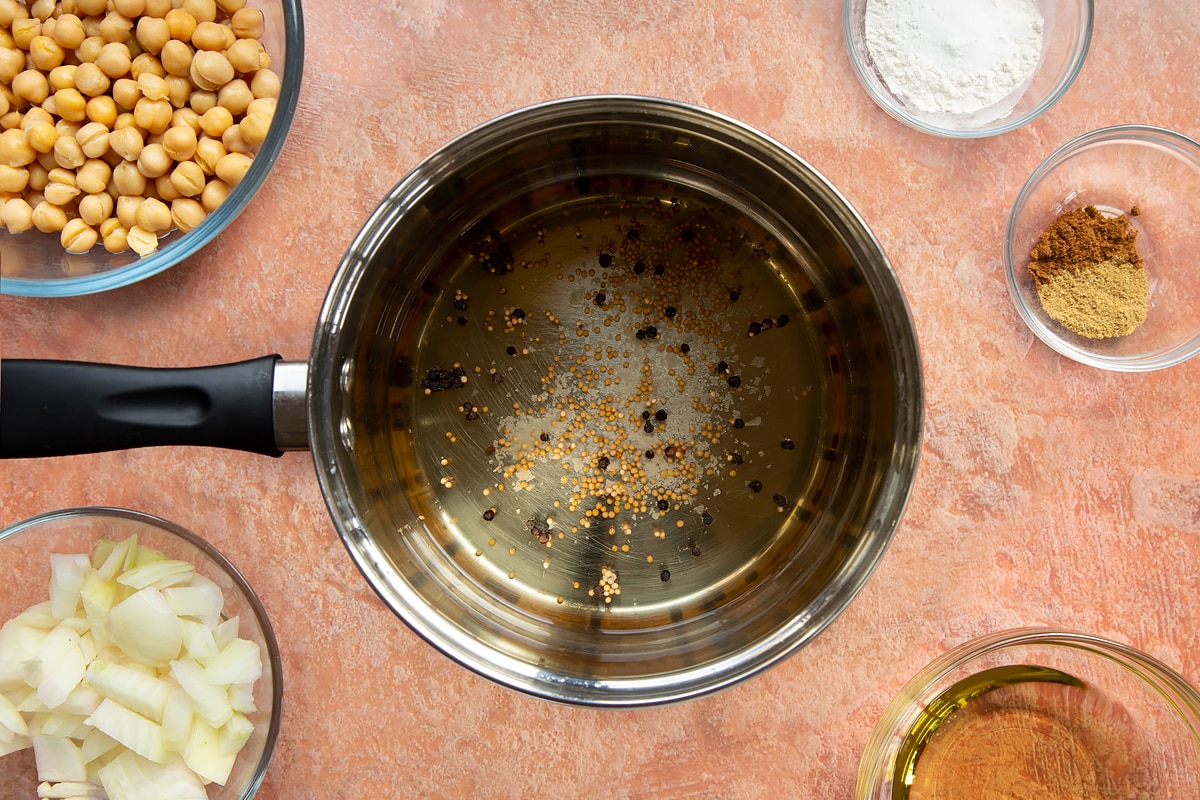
[484, 351]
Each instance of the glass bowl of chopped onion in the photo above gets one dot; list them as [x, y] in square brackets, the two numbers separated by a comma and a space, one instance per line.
[1101, 249]
[135, 661]
[967, 69]
[138, 133]
[1037, 712]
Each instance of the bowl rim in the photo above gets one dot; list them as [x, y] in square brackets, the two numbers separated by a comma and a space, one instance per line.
[877, 760]
[889, 103]
[218, 558]
[1163, 136]
[178, 248]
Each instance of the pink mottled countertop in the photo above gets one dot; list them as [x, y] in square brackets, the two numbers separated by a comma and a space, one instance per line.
[1049, 493]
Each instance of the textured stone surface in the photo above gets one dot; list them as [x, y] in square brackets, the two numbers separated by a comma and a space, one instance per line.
[1048, 492]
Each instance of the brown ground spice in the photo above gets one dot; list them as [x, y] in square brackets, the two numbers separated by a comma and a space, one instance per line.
[1080, 239]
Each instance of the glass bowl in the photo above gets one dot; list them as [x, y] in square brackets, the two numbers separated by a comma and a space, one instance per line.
[25, 549]
[35, 264]
[1066, 35]
[1117, 169]
[1035, 713]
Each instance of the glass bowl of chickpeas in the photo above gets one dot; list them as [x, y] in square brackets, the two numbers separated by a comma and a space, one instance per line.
[133, 131]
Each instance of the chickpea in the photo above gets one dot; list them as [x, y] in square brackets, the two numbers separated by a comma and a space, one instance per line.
[188, 179]
[115, 241]
[234, 141]
[209, 36]
[48, 218]
[127, 207]
[102, 110]
[128, 179]
[215, 121]
[68, 32]
[245, 55]
[152, 86]
[235, 96]
[187, 118]
[61, 194]
[144, 63]
[157, 8]
[233, 167]
[202, 10]
[68, 153]
[89, 51]
[13, 150]
[114, 60]
[208, 153]
[126, 93]
[95, 208]
[17, 215]
[24, 30]
[265, 83]
[179, 90]
[92, 22]
[39, 176]
[254, 128]
[142, 241]
[153, 115]
[91, 80]
[202, 101]
[125, 120]
[127, 143]
[93, 139]
[181, 24]
[42, 9]
[93, 177]
[116, 27]
[45, 53]
[187, 213]
[130, 8]
[176, 58]
[49, 106]
[228, 7]
[70, 105]
[15, 179]
[5, 103]
[247, 23]
[89, 8]
[41, 136]
[10, 120]
[48, 160]
[32, 86]
[179, 142]
[11, 10]
[153, 161]
[78, 237]
[165, 190]
[67, 128]
[152, 33]
[62, 77]
[12, 62]
[211, 70]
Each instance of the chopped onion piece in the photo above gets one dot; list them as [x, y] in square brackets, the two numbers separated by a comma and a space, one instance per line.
[96, 744]
[135, 690]
[128, 777]
[11, 719]
[146, 629]
[160, 574]
[57, 758]
[57, 667]
[198, 640]
[177, 719]
[131, 729]
[66, 580]
[238, 662]
[69, 790]
[203, 754]
[210, 702]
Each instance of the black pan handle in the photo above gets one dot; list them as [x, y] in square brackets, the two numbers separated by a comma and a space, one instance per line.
[62, 408]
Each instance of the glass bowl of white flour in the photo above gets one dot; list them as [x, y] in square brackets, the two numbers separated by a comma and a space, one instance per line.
[967, 68]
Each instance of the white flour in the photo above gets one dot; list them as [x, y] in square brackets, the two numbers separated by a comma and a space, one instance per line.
[954, 56]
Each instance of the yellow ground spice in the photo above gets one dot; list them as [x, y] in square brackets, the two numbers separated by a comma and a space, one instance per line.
[1089, 275]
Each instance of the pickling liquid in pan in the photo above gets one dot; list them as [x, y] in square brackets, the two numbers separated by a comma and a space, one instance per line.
[618, 404]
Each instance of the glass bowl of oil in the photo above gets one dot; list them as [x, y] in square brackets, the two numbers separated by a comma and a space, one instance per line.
[1037, 713]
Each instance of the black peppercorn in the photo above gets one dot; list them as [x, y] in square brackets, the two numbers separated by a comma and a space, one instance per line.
[648, 427]
[734, 294]
[670, 312]
[517, 313]
[632, 234]
[545, 437]
[670, 451]
[755, 329]
[755, 486]
[788, 444]
[663, 505]
[659, 269]
[781, 320]
[490, 514]
[497, 377]
[736, 458]
[696, 550]
[665, 575]
[707, 519]
[739, 423]
[651, 332]
[685, 348]
[734, 382]
[646, 414]
[649, 454]
[722, 366]
[688, 234]
[462, 321]
[639, 268]
[600, 298]
[780, 500]
[641, 334]
[660, 415]
[602, 462]
[605, 260]
[460, 305]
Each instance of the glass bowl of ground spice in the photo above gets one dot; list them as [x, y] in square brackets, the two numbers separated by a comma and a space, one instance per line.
[967, 68]
[1102, 246]
[1037, 713]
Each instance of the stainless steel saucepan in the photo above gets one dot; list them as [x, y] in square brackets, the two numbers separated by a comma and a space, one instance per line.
[613, 400]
